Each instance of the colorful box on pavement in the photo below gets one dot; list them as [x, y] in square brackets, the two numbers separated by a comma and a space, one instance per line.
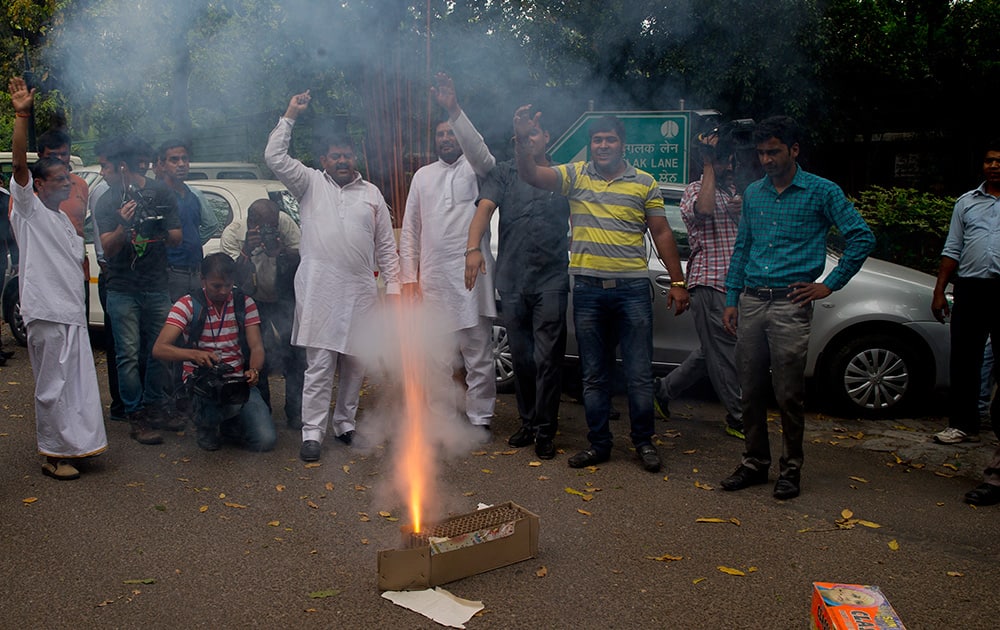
[851, 607]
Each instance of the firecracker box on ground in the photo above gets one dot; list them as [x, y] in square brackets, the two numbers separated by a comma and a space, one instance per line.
[458, 547]
[851, 607]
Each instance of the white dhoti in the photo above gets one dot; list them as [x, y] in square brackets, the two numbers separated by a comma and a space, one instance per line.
[68, 414]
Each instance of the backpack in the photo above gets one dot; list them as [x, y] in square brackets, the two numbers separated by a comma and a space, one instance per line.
[199, 312]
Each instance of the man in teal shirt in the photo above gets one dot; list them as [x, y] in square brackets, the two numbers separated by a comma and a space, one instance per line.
[780, 252]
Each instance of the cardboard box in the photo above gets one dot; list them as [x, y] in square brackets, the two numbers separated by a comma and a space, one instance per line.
[459, 547]
[851, 607]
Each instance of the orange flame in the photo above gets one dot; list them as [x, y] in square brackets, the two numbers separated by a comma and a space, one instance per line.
[416, 474]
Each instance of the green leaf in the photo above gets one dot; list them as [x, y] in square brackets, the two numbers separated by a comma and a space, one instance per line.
[322, 594]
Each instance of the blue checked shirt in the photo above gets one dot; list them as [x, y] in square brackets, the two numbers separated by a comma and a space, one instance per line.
[782, 237]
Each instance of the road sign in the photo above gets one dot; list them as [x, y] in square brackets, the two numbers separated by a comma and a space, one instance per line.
[655, 142]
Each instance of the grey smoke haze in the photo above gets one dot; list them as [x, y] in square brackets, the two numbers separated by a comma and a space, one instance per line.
[124, 60]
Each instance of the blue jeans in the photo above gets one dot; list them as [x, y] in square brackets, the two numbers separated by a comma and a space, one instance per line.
[250, 421]
[136, 320]
[607, 313]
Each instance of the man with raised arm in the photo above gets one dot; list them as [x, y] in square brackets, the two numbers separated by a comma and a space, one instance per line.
[68, 414]
[346, 236]
[612, 204]
[432, 250]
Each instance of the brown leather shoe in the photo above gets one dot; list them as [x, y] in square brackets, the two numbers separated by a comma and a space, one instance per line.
[141, 431]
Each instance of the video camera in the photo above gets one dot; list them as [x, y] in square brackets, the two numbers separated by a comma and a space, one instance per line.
[270, 237]
[148, 221]
[220, 384]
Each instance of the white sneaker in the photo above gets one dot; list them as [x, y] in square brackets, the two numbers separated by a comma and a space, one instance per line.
[951, 435]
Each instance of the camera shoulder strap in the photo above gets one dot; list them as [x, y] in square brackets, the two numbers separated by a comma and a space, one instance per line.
[199, 313]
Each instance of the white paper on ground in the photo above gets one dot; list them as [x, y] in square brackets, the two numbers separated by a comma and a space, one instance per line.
[436, 604]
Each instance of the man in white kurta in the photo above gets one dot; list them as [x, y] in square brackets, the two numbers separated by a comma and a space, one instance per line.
[432, 250]
[346, 236]
[68, 414]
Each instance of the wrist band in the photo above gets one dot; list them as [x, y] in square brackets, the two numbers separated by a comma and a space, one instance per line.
[22, 115]
[472, 249]
[679, 283]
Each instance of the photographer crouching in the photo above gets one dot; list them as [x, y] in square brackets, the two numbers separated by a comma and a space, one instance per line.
[222, 358]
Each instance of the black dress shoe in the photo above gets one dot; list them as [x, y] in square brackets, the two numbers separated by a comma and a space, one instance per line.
[523, 437]
[650, 458]
[589, 457]
[786, 489]
[545, 448]
[347, 437]
[744, 477]
[310, 451]
[983, 494]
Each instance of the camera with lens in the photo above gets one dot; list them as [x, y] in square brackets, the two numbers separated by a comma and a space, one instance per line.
[220, 384]
[148, 219]
[270, 238]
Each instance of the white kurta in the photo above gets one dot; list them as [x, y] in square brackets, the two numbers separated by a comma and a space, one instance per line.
[346, 237]
[439, 210]
[68, 414]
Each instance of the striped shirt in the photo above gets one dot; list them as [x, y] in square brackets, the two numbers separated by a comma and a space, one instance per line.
[223, 337]
[782, 236]
[609, 219]
[712, 237]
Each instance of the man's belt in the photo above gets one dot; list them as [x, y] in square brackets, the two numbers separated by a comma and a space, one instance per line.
[181, 268]
[768, 293]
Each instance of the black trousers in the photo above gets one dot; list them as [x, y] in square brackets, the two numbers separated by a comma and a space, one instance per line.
[975, 316]
[536, 329]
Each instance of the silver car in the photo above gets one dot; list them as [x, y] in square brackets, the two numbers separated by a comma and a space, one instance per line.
[875, 349]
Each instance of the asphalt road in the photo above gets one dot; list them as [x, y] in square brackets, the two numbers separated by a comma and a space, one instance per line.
[235, 539]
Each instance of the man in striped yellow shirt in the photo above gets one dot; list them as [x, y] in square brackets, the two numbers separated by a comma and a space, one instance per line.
[612, 204]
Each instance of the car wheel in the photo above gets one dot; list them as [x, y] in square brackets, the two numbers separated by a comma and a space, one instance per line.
[12, 313]
[874, 376]
[502, 362]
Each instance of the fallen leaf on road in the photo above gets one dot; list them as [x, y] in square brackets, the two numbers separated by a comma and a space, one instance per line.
[312, 505]
[360, 488]
[543, 478]
[235, 505]
[222, 495]
[582, 495]
[541, 572]
[690, 452]
[943, 474]
[469, 494]
[364, 517]
[487, 471]
[346, 468]
[665, 558]
[868, 524]
[859, 479]
[698, 580]
[327, 593]
[731, 571]
[510, 452]
[478, 453]
[703, 486]
[274, 523]
[591, 469]
[715, 519]
[954, 574]
[846, 514]
[952, 466]
[858, 436]
[203, 508]
[384, 514]
[312, 465]
[29, 500]
[140, 581]
[160, 507]
[584, 512]
[666, 477]
[279, 488]
[534, 464]
[329, 485]
[894, 545]
[752, 570]
[364, 541]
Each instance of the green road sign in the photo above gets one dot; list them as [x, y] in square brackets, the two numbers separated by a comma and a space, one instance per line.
[655, 142]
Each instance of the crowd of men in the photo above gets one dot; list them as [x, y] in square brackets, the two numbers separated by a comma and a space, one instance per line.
[295, 299]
